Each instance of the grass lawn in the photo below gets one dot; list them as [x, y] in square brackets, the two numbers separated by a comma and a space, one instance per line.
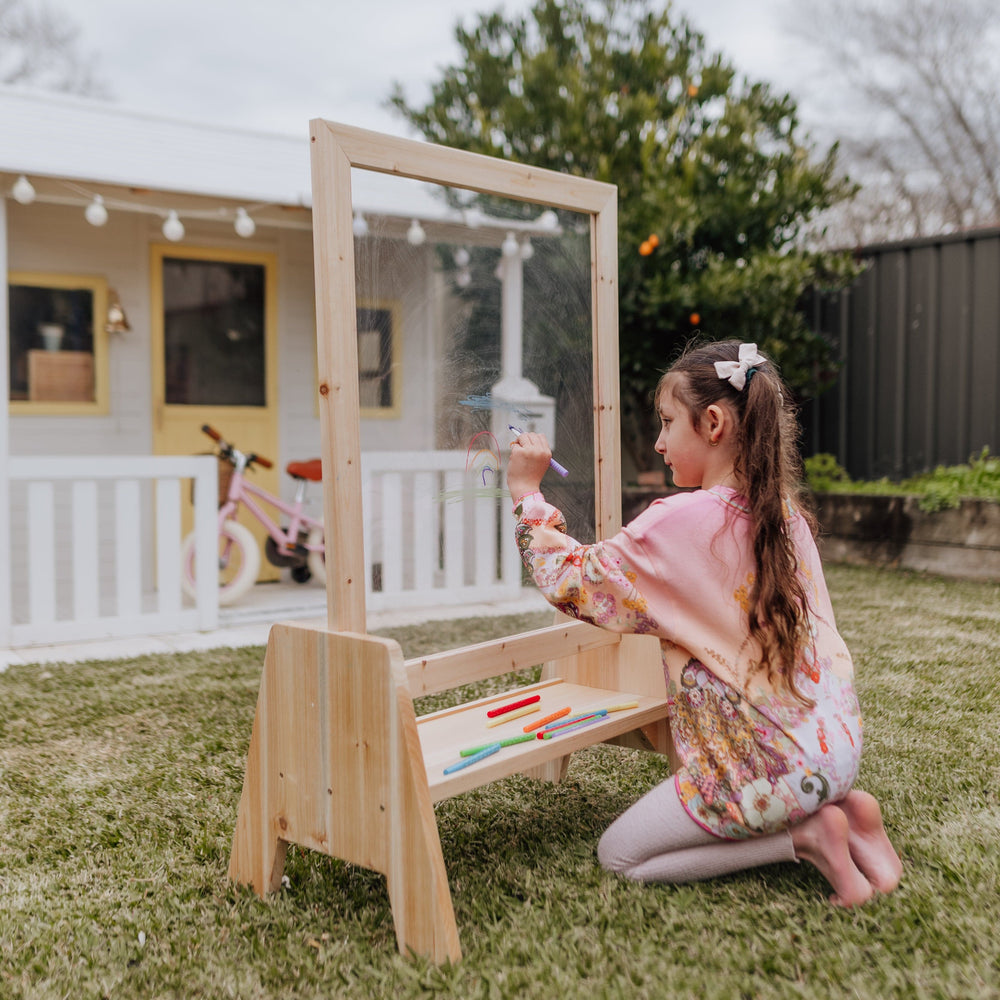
[119, 783]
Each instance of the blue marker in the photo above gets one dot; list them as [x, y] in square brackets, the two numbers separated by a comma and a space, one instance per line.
[474, 759]
[553, 464]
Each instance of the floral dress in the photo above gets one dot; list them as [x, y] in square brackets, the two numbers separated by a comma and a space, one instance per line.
[754, 759]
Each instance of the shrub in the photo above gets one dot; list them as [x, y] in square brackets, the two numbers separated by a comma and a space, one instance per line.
[942, 489]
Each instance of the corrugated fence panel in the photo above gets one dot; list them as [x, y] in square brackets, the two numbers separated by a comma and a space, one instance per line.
[985, 363]
[918, 338]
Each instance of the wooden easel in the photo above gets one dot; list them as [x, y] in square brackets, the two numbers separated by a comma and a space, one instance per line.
[338, 760]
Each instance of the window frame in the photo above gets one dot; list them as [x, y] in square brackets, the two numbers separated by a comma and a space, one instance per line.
[214, 254]
[98, 287]
[394, 308]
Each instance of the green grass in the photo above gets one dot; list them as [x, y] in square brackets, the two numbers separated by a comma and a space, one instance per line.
[119, 783]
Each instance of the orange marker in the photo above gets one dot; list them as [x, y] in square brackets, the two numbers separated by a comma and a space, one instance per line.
[547, 719]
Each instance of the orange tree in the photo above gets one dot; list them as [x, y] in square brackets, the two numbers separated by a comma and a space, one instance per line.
[715, 186]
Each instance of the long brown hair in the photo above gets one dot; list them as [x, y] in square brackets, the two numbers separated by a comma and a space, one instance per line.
[768, 466]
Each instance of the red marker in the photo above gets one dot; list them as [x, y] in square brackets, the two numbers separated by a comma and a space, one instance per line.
[503, 709]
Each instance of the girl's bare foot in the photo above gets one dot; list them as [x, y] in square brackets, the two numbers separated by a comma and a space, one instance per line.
[822, 840]
[869, 844]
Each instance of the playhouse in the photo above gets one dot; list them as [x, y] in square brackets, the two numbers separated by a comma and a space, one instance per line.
[160, 276]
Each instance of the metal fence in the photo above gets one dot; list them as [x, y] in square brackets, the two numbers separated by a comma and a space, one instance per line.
[918, 337]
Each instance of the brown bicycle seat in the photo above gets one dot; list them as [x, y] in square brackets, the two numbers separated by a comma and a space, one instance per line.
[311, 470]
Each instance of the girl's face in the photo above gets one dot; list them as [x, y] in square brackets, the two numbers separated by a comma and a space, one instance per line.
[685, 449]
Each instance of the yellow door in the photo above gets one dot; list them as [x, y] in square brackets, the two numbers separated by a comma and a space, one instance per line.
[214, 340]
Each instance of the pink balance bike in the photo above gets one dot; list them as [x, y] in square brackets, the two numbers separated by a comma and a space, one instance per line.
[297, 546]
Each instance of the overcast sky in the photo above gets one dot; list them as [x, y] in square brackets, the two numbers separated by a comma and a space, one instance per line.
[274, 64]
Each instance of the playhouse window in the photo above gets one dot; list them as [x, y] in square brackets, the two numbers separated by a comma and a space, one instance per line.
[214, 331]
[57, 343]
[377, 332]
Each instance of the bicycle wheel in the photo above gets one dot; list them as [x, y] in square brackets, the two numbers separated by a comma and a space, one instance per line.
[239, 562]
[316, 561]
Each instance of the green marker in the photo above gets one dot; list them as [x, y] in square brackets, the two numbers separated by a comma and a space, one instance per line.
[509, 742]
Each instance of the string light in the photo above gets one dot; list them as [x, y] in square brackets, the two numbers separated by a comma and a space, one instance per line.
[95, 213]
[510, 248]
[415, 235]
[360, 225]
[548, 220]
[244, 225]
[23, 191]
[173, 228]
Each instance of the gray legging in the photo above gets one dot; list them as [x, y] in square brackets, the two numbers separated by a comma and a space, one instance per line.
[655, 840]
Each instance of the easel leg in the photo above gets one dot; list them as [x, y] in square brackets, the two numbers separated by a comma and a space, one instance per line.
[335, 765]
[416, 877]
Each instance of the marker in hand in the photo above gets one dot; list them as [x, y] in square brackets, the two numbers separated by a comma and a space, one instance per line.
[553, 464]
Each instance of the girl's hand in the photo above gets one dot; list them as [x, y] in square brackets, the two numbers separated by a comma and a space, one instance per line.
[529, 460]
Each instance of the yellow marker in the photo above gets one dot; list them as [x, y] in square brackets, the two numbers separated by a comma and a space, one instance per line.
[510, 716]
[623, 706]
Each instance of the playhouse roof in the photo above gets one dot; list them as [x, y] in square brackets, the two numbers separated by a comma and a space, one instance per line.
[61, 137]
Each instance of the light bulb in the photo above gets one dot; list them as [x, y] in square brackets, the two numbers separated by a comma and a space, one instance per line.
[461, 257]
[95, 213]
[415, 235]
[509, 247]
[360, 225]
[527, 250]
[173, 228]
[463, 278]
[22, 191]
[244, 225]
[548, 220]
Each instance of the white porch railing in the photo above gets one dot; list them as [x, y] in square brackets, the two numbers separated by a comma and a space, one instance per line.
[95, 542]
[430, 537]
[90, 562]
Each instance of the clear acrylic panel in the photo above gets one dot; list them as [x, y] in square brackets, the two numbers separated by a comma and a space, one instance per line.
[474, 317]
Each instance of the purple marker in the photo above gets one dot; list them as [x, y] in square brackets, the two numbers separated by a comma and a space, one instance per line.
[553, 464]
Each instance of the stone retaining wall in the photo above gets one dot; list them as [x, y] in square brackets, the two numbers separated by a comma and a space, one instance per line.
[893, 531]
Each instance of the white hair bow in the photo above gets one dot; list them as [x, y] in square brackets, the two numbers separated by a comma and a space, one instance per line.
[736, 371]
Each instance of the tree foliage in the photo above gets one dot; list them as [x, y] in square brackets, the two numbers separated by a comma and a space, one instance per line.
[39, 47]
[918, 87]
[709, 165]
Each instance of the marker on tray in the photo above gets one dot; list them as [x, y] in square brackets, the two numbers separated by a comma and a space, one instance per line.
[508, 742]
[502, 709]
[510, 716]
[578, 718]
[474, 759]
[532, 726]
[548, 734]
[553, 464]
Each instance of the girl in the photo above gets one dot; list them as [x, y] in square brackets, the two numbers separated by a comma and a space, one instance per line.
[760, 690]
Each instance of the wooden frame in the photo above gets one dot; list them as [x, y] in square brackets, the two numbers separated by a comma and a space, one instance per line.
[69, 369]
[338, 761]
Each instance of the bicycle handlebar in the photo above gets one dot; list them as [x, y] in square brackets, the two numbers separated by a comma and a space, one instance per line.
[264, 463]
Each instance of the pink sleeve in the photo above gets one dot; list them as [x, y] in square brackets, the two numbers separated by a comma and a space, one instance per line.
[590, 582]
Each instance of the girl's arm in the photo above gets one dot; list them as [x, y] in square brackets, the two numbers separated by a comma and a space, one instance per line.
[585, 581]
[590, 582]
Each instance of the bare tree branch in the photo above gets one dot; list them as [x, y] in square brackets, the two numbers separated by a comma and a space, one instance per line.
[39, 46]
[917, 84]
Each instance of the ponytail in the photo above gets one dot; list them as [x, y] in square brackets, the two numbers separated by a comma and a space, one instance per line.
[768, 466]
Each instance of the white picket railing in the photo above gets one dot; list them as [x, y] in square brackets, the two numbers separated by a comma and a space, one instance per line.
[431, 536]
[95, 542]
[95, 545]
